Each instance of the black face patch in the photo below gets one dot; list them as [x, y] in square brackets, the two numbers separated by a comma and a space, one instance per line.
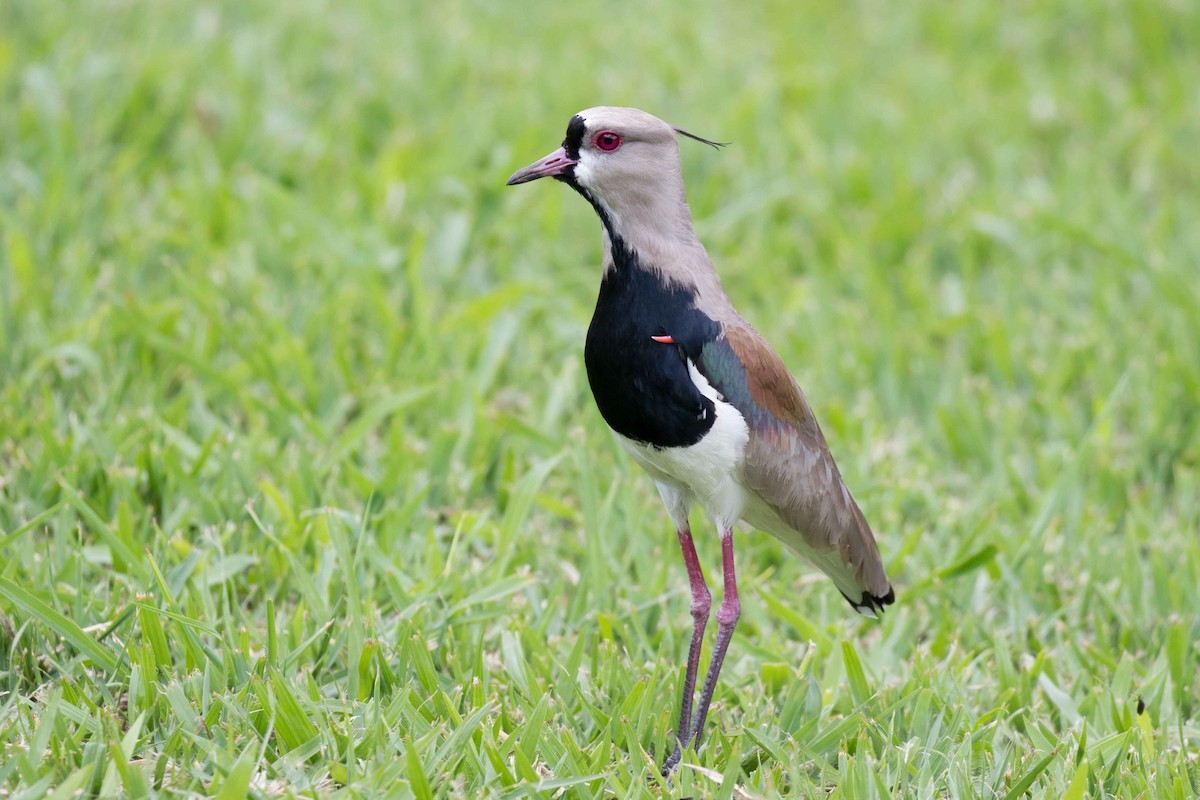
[571, 144]
[642, 387]
[576, 128]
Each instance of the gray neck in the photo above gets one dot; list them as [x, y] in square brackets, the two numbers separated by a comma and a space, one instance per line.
[660, 235]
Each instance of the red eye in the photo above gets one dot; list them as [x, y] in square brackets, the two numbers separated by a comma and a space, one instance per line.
[607, 141]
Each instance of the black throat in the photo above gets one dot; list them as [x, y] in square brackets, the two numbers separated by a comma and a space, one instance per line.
[642, 387]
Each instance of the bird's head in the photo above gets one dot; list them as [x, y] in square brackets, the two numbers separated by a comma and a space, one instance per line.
[624, 161]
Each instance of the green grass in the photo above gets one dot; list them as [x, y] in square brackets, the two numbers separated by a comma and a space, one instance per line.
[302, 491]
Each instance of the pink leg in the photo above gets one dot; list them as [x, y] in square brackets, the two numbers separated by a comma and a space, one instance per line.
[701, 602]
[727, 617]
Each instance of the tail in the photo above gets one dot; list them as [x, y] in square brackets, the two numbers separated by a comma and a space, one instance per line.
[848, 555]
[871, 605]
[861, 555]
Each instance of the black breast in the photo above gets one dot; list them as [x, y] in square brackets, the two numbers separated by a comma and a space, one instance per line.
[641, 386]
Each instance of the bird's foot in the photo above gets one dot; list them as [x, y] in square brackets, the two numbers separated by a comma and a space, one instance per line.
[672, 761]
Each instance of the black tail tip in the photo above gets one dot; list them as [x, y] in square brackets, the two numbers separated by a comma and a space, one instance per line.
[871, 605]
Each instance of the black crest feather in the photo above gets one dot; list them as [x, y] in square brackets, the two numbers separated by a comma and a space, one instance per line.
[714, 145]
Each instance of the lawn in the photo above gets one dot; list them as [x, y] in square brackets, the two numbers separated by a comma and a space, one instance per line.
[303, 492]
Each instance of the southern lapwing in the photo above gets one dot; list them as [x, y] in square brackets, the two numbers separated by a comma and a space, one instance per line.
[694, 394]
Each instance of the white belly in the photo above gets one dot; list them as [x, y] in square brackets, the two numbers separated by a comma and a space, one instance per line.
[708, 471]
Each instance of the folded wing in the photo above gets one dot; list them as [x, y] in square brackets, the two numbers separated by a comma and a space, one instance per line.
[789, 467]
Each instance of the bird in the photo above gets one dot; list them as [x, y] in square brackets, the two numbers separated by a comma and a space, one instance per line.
[694, 393]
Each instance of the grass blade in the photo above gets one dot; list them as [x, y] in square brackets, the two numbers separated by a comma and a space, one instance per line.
[58, 623]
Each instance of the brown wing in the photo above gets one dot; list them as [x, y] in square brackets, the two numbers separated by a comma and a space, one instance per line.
[789, 466]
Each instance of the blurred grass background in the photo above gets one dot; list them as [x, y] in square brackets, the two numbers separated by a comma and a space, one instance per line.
[302, 492]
